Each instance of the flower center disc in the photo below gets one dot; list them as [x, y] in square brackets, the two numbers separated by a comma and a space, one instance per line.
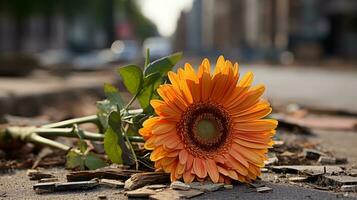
[204, 128]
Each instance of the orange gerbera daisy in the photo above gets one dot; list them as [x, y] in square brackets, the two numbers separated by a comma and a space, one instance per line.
[210, 126]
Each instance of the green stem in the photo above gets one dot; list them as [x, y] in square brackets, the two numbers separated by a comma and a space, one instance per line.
[35, 138]
[28, 134]
[37, 135]
[136, 139]
[132, 151]
[131, 101]
[147, 59]
[70, 122]
[135, 111]
[68, 132]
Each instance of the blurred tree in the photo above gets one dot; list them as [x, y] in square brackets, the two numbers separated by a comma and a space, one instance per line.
[142, 25]
[99, 12]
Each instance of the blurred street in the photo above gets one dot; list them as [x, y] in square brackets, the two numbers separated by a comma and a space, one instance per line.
[314, 87]
[56, 56]
[309, 86]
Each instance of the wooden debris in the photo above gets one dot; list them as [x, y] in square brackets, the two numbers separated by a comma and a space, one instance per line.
[3, 194]
[326, 160]
[256, 184]
[341, 160]
[146, 178]
[352, 172]
[167, 194]
[102, 197]
[287, 154]
[264, 170]
[140, 193]
[298, 179]
[284, 122]
[228, 187]
[338, 180]
[37, 175]
[156, 186]
[320, 122]
[111, 183]
[206, 186]
[271, 161]
[53, 187]
[278, 143]
[264, 189]
[349, 188]
[48, 180]
[307, 169]
[106, 173]
[312, 154]
[178, 185]
[175, 194]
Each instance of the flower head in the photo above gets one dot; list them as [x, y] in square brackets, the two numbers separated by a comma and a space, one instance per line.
[210, 126]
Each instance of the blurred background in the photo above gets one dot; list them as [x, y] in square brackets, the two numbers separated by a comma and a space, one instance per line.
[55, 56]
[56, 53]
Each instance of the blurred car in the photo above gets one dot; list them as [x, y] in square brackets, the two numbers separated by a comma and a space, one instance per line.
[159, 47]
[94, 60]
[125, 50]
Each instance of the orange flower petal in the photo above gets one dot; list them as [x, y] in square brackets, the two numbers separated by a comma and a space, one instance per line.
[149, 144]
[238, 157]
[167, 161]
[252, 145]
[188, 177]
[249, 99]
[236, 165]
[253, 116]
[212, 170]
[183, 156]
[240, 89]
[199, 168]
[250, 155]
[222, 170]
[257, 125]
[178, 111]
[157, 154]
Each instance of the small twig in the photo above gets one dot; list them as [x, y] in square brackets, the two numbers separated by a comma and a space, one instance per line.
[131, 149]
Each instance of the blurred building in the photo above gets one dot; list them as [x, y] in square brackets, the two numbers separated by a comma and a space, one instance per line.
[80, 25]
[264, 29]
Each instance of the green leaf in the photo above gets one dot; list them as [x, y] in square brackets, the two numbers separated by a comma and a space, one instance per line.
[151, 82]
[112, 146]
[113, 95]
[74, 160]
[132, 77]
[151, 79]
[82, 145]
[145, 96]
[104, 109]
[114, 122]
[92, 161]
[163, 65]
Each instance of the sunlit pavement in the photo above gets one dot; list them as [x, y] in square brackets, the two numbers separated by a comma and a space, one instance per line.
[314, 87]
